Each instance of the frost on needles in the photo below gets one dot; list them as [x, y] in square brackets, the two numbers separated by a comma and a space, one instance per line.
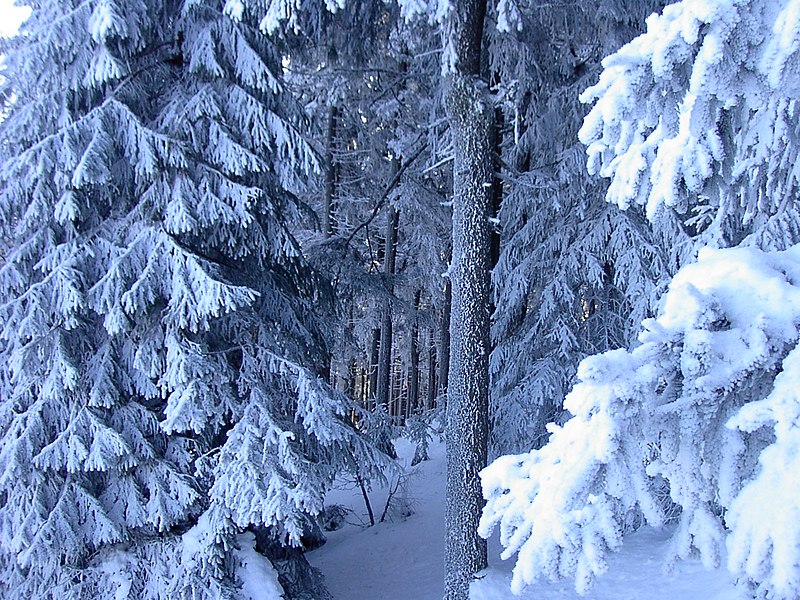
[699, 114]
[706, 404]
[695, 122]
[158, 346]
[569, 264]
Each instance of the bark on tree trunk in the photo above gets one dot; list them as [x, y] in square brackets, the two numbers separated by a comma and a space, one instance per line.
[364, 391]
[471, 116]
[352, 373]
[444, 343]
[430, 400]
[397, 393]
[374, 351]
[330, 174]
[413, 370]
[385, 355]
[497, 187]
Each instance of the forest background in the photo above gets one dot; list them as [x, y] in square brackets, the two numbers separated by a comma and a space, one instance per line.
[248, 243]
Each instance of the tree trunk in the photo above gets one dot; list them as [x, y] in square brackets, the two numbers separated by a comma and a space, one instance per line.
[430, 400]
[413, 372]
[444, 343]
[352, 375]
[330, 174]
[374, 355]
[497, 187]
[364, 391]
[397, 393]
[385, 358]
[385, 355]
[470, 111]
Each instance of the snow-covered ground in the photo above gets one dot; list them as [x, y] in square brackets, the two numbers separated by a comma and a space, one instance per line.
[402, 559]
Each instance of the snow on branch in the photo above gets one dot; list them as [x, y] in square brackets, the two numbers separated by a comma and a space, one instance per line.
[680, 107]
[707, 404]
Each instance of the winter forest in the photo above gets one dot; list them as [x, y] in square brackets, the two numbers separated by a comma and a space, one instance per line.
[257, 256]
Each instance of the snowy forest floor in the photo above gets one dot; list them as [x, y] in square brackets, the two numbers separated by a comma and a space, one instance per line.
[402, 558]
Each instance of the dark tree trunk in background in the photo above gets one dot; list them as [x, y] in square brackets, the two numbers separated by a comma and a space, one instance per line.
[497, 186]
[430, 400]
[330, 174]
[374, 353]
[413, 370]
[471, 114]
[385, 354]
[444, 343]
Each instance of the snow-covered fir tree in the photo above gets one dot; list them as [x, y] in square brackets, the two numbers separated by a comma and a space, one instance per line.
[695, 120]
[574, 276]
[159, 351]
[365, 78]
[699, 114]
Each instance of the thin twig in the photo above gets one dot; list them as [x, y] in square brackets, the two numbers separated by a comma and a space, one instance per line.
[381, 201]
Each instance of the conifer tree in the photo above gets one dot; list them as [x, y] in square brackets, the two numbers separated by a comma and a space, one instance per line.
[374, 71]
[575, 276]
[694, 122]
[159, 348]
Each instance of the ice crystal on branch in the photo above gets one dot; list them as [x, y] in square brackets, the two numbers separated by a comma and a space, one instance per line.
[702, 400]
[152, 294]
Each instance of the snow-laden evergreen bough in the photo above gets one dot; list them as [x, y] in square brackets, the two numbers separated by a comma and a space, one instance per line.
[695, 119]
[705, 403]
[575, 276]
[158, 347]
[700, 114]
